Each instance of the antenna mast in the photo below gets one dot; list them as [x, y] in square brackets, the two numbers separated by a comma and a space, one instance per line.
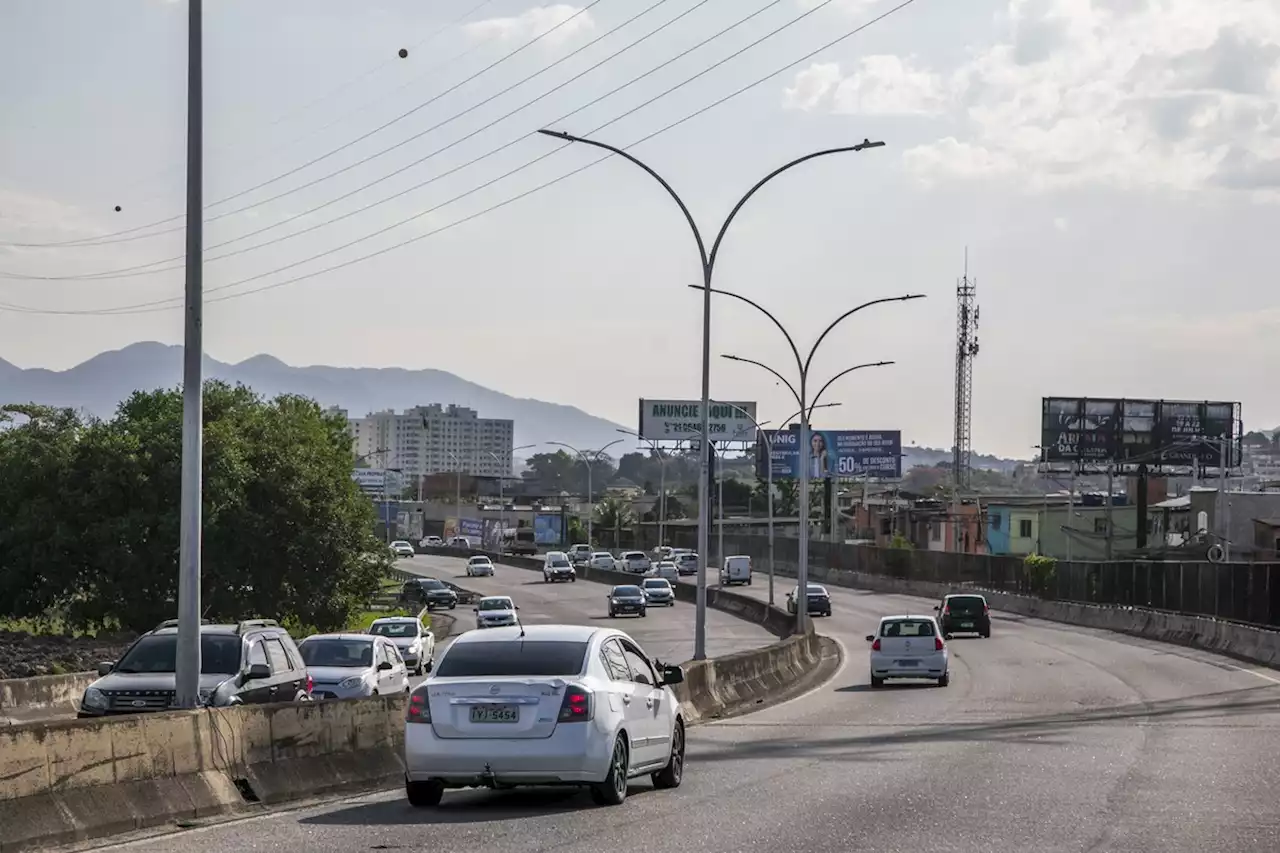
[966, 351]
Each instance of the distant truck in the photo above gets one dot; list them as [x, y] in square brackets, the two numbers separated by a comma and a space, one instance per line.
[519, 541]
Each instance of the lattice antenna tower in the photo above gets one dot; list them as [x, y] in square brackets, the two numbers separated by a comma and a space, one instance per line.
[966, 351]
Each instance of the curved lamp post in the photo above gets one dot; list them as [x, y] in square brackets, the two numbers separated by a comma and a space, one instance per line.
[707, 258]
[587, 457]
[502, 497]
[806, 405]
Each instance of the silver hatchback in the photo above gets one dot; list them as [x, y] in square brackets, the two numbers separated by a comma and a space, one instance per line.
[350, 666]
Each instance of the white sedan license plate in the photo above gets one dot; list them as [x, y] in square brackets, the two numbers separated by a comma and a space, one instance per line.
[495, 714]
[908, 663]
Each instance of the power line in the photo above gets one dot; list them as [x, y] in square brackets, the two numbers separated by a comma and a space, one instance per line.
[312, 162]
[142, 269]
[288, 114]
[159, 305]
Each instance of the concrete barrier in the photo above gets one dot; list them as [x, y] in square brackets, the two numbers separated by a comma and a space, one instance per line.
[1232, 639]
[43, 691]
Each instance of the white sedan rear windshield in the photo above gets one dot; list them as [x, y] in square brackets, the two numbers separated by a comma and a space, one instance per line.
[907, 628]
[512, 657]
[636, 555]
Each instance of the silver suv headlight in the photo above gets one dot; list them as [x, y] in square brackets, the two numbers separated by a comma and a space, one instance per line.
[352, 682]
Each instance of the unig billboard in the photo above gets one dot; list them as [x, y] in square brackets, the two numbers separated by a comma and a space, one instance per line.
[832, 453]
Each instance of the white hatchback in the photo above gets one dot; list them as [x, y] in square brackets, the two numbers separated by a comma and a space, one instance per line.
[544, 705]
[479, 567]
[909, 647]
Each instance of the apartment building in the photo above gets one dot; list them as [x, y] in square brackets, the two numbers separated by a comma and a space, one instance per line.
[433, 439]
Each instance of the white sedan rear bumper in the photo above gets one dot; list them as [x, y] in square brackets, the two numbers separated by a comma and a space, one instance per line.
[932, 665]
[574, 754]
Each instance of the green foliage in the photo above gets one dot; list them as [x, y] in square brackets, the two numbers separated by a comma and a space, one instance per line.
[89, 516]
[566, 472]
[614, 514]
[901, 543]
[1040, 572]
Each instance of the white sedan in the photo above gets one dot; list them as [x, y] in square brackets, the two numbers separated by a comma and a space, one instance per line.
[909, 647]
[479, 567]
[544, 705]
[402, 548]
[416, 645]
[496, 611]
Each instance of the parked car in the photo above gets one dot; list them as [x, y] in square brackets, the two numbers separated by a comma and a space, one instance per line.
[429, 593]
[416, 645]
[479, 566]
[909, 647]
[964, 614]
[251, 662]
[556, 567]
[579, 555]
[659, 591]
[350, 666]
[499, 713]
[634, 561]
[402, 548]
[496, 611]
[602, 560]
[736, 570]
[627, 599]
[819, 600]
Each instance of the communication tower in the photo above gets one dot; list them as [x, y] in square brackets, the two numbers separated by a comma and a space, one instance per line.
[966, 351]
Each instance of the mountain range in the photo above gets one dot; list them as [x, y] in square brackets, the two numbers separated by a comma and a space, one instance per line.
[99, 384]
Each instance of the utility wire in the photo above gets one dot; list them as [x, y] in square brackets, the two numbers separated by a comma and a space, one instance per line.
[288, 114]
[160, 305]
[104, 240]
[177, 262]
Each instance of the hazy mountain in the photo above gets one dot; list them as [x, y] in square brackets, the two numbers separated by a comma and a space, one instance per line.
[99, 384]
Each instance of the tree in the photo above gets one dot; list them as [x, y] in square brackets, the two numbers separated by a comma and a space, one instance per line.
[614, 514]
[566, 472]
[286, 532]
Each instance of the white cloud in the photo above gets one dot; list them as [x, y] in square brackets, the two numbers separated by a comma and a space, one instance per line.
[1178, 94]
[879, 85]
[533, 23]
[1061, 223]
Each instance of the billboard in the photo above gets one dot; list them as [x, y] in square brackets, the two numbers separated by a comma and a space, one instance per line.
[376, 480]
[1130, 432]
[677, 420]
[548, 529]
[832, 453]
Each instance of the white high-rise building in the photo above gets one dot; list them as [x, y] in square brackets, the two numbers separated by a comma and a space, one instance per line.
[433, 439]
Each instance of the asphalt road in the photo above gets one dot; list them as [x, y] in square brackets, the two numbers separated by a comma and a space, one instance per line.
[1050, 738]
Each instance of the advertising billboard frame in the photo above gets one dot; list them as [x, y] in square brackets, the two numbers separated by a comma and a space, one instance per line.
[853, 454]
[1091, 435]
[681, 420]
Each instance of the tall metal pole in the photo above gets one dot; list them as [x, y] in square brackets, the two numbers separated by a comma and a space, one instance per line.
[1111, 479]
[457, 494]
[187, 662]
[769, 489]
[591, 508]
[662, 498]
[802, 567]
[720, 505]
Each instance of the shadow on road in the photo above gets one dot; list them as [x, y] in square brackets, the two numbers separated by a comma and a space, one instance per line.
[468, 806]
[888, 686]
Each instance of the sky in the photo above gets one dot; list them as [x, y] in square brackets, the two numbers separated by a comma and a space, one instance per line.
[1111, 167]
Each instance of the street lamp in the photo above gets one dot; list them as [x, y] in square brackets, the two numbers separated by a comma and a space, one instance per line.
[662, 475]
[806, 408]
[759, 425]
[708, 262]
[502, 498]
[583, 455]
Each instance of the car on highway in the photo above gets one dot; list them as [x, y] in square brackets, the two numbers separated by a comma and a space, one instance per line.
[636, 562]
[665, 569]
[352, 666]
[416, 645]
[663, 552]
[402, 548]
[429, 593]
[964, 613]
[909, 647]
[736, 569]
[579, 555]
[818, 597]
[251, 662]
[658, 591]
[627, 599]
[556, 567]
[686, 562]
[544, 705]
[479, 566]
[496, 611]
[602, 560]
[460, 542]
[432, 542]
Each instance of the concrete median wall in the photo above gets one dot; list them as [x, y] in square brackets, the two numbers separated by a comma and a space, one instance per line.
[43, 691]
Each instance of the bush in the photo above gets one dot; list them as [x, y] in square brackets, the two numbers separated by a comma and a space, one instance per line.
[1040, 572]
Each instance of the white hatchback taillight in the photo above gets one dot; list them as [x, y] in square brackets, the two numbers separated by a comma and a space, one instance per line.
[578, 705]
[419, 710]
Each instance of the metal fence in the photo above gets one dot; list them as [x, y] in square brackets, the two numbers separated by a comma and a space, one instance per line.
[1240, 592]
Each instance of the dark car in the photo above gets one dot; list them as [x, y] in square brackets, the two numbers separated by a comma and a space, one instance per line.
[430, 593]
[964, 614]
[819, 600]
[250, 663]
[627, 599]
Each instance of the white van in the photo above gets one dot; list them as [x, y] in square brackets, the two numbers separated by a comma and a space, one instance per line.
[736, 570]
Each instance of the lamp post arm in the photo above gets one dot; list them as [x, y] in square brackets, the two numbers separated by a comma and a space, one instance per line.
[846, 315]
[631, 158]
[779, 376]
[756, 305]
[845, 372]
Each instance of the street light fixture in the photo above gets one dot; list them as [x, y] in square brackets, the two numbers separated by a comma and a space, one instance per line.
[707, 259]
[806, 405]
[502, 498]
[586, 460]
